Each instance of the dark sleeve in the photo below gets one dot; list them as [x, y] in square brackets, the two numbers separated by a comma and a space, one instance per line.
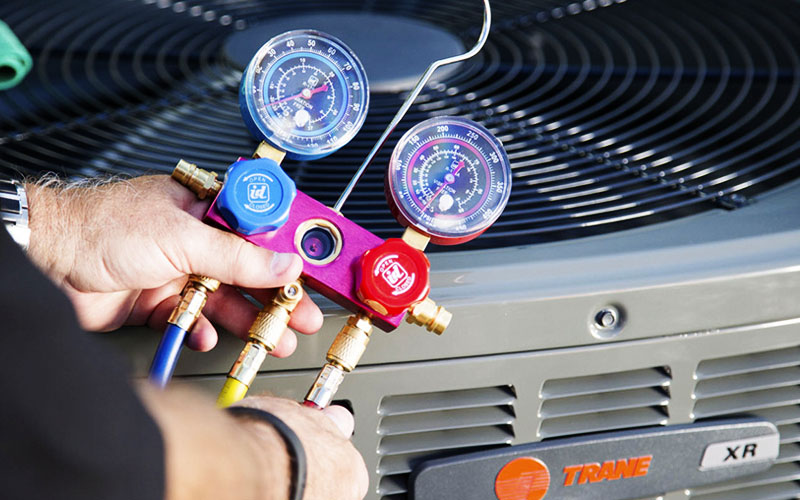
[71, 426]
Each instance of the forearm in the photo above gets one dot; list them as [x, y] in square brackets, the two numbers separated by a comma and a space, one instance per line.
[55, 227]
[211, 455]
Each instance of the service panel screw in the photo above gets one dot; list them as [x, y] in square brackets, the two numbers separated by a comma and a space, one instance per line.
[607, 323]
[606, 318]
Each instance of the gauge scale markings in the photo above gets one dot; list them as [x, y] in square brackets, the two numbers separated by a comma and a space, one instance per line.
[430, 187]
[306, 93]
[449, 178]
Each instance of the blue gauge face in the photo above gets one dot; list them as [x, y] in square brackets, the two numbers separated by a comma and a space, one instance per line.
[449, 178]
[305, 93]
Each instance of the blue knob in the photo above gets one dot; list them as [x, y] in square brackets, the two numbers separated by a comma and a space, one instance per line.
[256, 196]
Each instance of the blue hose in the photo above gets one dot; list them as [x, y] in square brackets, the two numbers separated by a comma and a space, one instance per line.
[167, 355]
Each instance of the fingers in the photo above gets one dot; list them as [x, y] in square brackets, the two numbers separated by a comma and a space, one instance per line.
[335, 468]
[148, 301]
[203, 336]
[342, 418]
[230, 310]
[197, 248]
[306, 318]
[229, 258]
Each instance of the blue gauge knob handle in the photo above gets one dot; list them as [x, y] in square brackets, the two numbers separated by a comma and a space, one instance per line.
[256, 196]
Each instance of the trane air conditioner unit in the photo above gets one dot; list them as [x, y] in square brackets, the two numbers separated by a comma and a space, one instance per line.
[646, 272]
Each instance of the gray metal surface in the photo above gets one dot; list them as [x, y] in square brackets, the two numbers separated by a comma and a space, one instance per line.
[716, 285]
[709, 271]
[525, 374]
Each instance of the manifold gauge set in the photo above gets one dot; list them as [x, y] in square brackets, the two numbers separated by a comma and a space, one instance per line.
[305, 95]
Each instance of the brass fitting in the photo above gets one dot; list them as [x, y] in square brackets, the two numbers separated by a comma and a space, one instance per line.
[247, 365]
[201, 182]
[415, 239]
[351, 342]
[193, 298]
[273, 318]
[426, 313]
[264, 150]
[198, 281]
[325, 386]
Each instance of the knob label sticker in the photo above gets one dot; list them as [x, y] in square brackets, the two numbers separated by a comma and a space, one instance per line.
[258, 193]
[732, 453]
[394, 274]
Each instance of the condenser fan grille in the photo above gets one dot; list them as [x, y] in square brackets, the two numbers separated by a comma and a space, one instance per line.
[614, 115]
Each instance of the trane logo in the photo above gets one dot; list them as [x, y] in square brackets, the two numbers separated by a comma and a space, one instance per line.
[527, 478]
[610, 470]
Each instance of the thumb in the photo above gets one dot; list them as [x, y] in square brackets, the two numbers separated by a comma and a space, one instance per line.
[233, 260]
[342, 418]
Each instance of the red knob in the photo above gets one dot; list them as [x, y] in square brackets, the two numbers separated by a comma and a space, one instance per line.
[393, 276]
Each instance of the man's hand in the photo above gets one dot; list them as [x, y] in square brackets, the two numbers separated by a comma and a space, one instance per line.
[216, 456]
[121, 251]
[335, 469]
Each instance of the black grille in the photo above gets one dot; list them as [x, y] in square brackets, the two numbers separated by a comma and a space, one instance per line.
[614, 115]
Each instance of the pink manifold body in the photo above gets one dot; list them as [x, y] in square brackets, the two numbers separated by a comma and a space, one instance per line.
[335, 280]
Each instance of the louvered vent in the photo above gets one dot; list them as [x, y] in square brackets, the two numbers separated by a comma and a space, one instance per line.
[418, 427]
[765, 384]
[620, 400]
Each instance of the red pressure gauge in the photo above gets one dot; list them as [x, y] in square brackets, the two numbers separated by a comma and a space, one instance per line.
[449, 178]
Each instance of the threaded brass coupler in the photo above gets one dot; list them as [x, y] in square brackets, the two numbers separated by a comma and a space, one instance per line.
[273, 318]
[426, 313]
[198, 281]
[193, 299]
[201, 182]
[351, 342]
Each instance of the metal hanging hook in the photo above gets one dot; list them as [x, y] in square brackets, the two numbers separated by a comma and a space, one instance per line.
[487, 24]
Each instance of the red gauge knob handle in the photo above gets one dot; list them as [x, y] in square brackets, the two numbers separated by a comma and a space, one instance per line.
[393, 276]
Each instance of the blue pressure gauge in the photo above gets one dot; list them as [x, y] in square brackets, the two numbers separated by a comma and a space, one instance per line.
[305, 93]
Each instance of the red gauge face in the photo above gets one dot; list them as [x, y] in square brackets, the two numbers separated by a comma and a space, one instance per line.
[449, 178]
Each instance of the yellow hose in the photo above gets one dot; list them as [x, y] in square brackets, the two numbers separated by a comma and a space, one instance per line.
[231, 392]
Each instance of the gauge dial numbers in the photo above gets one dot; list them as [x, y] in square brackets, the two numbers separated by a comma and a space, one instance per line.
[306, 93]
[449, 178]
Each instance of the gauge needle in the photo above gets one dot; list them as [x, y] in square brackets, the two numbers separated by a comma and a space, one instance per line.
[305, 94]
[448, 179]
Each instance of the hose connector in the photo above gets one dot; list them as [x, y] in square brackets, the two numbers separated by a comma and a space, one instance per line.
[343, 356]
[201, 182]
[247, 364]
[193, 298]
[271, 322]
[351, 342]
[242, 374]
[434, 318]
[265, 333]
[325, 386]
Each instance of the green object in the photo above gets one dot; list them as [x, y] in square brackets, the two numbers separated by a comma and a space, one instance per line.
[15, 61]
